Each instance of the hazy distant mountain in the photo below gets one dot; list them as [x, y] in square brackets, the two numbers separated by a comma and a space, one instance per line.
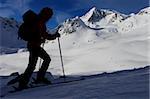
[9, 38]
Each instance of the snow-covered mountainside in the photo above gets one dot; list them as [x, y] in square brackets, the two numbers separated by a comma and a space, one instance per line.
[101, 18]
[138, 20]
[9, 42]
[99, 41]
[107, 19]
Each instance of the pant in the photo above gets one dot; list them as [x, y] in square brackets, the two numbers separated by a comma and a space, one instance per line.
[34, 53]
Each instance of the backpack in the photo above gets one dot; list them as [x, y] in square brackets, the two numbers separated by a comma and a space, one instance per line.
[27, 31]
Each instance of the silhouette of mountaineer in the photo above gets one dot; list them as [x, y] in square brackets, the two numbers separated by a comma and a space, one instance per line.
[35, 49]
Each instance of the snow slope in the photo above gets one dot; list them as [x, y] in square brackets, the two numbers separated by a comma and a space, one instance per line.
[131, 84]
[90, 50]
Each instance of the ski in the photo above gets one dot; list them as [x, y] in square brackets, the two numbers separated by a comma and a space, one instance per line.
[12, 85]
[53, 84]
[13, 81]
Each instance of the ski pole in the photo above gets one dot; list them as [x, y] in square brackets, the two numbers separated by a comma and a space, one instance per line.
[61, 59]
[40, 58]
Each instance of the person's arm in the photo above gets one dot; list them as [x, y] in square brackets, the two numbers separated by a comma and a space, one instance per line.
[45, 35]
[52, 36]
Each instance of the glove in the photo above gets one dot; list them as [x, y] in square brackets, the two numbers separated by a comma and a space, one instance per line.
[57, 35]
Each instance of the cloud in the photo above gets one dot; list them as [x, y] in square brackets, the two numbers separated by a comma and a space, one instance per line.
[11, 7]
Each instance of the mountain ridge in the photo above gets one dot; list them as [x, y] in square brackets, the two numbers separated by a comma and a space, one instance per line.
[98, 19]
[106, 21]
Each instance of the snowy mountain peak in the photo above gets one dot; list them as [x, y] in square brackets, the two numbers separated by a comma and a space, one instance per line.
[92, 15]
[95, 18]
[93, 9]
[105, 18]
[71, 25]
[95, 15]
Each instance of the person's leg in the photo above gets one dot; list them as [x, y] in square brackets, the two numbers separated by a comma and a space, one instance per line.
[25, 77]
[45, 64]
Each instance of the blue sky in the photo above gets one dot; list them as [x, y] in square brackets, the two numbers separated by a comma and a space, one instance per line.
[64, 9]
